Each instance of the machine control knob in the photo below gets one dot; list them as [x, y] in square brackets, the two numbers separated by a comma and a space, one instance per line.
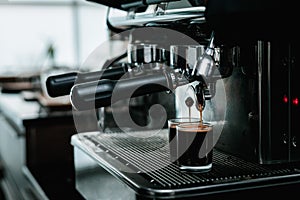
[284, 138]
[294, 141]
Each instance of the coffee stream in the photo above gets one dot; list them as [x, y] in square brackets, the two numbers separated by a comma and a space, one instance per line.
[189, 103]
[201, 116]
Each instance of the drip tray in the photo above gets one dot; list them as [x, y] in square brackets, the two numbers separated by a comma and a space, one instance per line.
[141, 160]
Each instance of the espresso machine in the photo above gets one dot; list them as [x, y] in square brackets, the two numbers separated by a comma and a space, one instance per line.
[235, 59]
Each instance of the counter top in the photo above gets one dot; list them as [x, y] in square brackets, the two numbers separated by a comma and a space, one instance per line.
[20, 112]
[35, 147]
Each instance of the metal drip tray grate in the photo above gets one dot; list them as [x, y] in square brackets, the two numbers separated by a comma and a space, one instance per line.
[146, 154]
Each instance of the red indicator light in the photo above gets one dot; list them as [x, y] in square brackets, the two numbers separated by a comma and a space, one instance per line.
[285, 99]
[296, 101]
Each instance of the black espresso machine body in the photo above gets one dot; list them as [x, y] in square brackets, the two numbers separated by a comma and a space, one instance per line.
[250, 95]
[262, 104]
[257, 68]
[262, 92]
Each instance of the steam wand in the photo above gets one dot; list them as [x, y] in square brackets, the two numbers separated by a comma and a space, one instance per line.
[203, 70]
[205, 65]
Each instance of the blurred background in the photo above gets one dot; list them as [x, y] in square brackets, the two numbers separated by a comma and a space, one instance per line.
[30, 28]
[38, 38]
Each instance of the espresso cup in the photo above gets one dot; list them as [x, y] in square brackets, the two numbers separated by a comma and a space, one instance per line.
[172, 124]
[194, 147]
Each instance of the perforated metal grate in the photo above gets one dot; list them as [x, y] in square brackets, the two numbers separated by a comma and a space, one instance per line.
[149, 156]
